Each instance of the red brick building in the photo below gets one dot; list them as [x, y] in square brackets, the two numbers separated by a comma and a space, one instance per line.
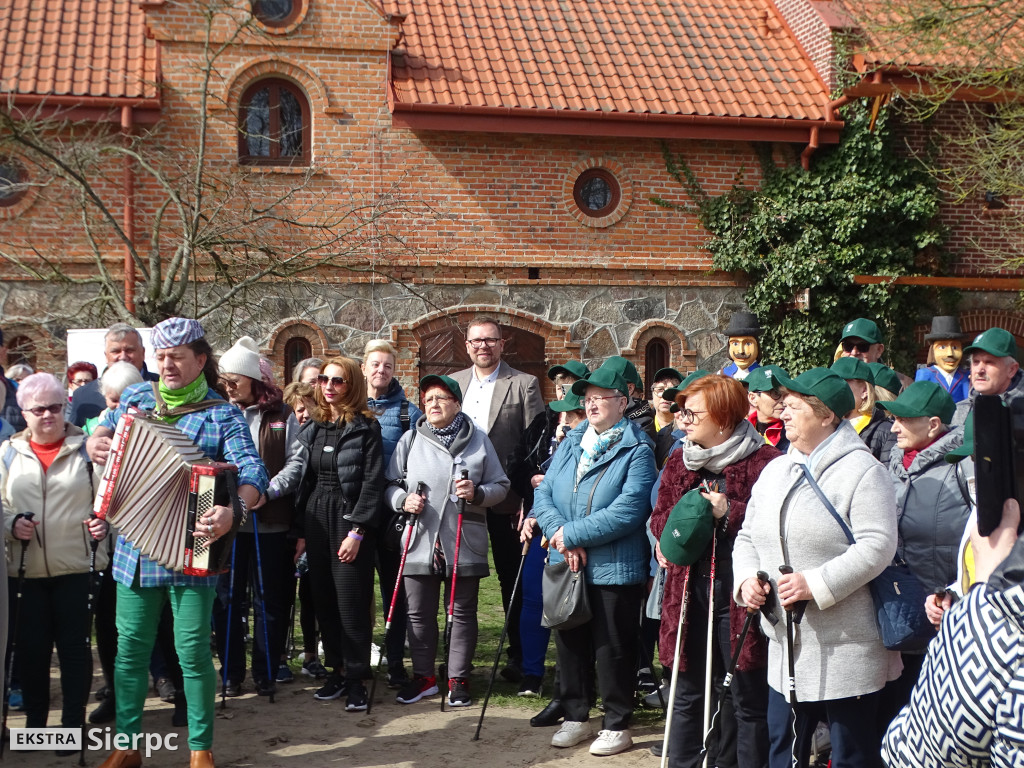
[526, 138]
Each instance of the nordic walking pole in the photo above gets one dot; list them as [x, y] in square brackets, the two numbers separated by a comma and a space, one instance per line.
[793, 615]
[14, 632]
[93, 545]
[727, 682]
[670, 707]
[271, 674]
[708, 654]
[501, 642]
[227, 631]
[410, 523]
[451, 595]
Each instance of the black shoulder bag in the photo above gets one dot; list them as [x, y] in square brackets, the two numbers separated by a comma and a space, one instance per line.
[898, 595]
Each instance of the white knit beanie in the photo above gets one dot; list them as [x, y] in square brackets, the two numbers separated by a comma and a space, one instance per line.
[243, 358]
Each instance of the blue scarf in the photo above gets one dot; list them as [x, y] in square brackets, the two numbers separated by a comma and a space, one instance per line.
[595, 447]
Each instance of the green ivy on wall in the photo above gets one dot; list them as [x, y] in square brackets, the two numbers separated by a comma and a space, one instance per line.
[863, 208]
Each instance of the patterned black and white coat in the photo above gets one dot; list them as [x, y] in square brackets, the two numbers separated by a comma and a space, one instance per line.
[968, 706]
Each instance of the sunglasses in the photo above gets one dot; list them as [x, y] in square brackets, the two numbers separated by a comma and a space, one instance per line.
[39, 410]
[860, 346]
[337, 381]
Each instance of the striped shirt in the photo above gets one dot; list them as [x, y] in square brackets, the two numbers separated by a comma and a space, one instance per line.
[222, 434]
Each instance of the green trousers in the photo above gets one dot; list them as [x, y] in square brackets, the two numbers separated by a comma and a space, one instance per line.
[138, 614]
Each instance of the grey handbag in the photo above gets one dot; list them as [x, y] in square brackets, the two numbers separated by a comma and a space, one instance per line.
[566, 604]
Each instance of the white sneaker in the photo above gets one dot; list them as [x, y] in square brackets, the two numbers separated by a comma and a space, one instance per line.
[571, 733]
[611, 743]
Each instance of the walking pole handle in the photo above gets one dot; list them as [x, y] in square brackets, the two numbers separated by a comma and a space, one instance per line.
[421, 488]
[797, 608]
[768, 609]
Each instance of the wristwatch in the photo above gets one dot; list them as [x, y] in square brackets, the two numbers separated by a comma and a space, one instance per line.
[358, 530]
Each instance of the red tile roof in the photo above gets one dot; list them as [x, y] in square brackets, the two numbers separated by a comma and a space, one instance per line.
[637, 58]
[70, 48]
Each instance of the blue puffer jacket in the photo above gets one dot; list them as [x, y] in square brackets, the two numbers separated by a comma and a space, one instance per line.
[613, 534]
[388, 410]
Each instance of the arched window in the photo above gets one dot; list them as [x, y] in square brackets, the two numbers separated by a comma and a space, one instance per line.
[12, 182]
[273, 124]
[21, 349]
[656, 356]
[295, 349]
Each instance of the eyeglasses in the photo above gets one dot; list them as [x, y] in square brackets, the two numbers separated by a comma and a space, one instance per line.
[437, 399]
[594, 399]
[774, 394]
[860, 346]
[39, 410]
[229, 383]
[481, 343]
[337, 381]
[659, 391]
[80, 382]
[689, 415]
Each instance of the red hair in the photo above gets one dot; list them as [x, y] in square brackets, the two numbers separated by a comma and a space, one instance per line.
[725, 398]
[75, 368]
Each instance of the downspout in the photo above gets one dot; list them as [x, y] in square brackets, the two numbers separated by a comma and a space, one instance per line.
[805, 156]
[128, 189]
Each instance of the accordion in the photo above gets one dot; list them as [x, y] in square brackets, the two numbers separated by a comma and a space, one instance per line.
[156, 486]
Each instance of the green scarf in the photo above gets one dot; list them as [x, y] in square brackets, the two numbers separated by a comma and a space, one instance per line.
[190, 393]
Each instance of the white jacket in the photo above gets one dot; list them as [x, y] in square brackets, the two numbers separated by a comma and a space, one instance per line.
[61, 499]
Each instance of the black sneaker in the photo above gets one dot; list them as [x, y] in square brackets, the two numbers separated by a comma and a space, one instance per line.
[416, 689]
[512, 672]
[313, 668]
[398, 678]
[104, 713]
[530, 686]
[458, 692]
[231, 690]
[265, 687]
[356, 697]
[334, 688]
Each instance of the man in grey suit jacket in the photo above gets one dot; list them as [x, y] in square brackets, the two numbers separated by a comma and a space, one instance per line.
[502, 402]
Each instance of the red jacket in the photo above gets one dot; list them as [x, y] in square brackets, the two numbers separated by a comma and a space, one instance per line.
[676, 480]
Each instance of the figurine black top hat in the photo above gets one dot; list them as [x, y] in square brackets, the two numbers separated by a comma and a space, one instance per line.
[944, 327]
[743, 324]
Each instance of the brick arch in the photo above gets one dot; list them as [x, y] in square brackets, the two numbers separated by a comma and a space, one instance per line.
[272, 66]
[681, 357]
[288, 329]
[558, 345]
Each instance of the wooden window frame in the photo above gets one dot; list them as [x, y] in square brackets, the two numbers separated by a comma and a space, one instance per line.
[276, 85]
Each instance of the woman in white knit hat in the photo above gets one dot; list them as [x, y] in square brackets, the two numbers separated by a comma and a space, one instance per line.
[273, 427]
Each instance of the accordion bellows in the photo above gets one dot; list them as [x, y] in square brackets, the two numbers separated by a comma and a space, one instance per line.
[155, 487]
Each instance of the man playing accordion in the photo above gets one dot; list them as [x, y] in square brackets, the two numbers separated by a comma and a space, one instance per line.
[188, 376]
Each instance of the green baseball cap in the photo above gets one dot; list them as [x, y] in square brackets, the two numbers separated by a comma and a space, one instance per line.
[885, 377]
[603, 377]
[688, 529]
[764, 379]
[995, 341]
[571, 402]
[922, 398]
[852, 368]
[826, 385]
[671, 394]
[667, 373]
[625, 369]
[967, 446]
[574, 368]
[445, 381]
[862, 328]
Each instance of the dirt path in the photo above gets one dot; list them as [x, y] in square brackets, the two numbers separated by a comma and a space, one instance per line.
[299, 732]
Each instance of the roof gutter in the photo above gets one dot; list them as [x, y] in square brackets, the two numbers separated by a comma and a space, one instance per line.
[458, 117]
[98, 108]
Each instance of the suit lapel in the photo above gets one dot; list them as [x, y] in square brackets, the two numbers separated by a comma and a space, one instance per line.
[501, 387]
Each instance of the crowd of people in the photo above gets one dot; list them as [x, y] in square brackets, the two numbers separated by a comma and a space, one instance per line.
[734, 520]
